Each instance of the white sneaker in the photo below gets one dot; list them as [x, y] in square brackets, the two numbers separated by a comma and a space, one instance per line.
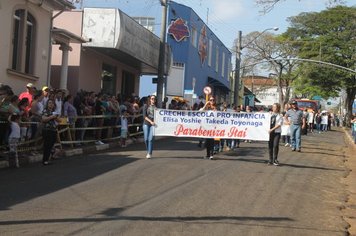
[211, 157]
[99, 143]
[148, 156]
[287, 144]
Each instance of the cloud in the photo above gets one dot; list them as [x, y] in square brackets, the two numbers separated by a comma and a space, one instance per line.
[227, 9]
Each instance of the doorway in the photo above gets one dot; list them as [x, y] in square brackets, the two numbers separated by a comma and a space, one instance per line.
[108, 79]
[128, 84]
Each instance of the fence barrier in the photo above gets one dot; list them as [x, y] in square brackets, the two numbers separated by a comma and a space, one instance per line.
[65, 131]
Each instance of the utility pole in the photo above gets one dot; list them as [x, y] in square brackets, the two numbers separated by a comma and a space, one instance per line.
[162, 53]
[237, 69]
[239, 48]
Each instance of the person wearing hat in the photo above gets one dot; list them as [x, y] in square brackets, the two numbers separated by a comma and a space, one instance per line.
[45, 95]
[297, 122]
[30, 90]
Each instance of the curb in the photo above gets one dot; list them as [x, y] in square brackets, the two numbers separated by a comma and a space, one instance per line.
[350, 138]
[350, 205]
[74, 152]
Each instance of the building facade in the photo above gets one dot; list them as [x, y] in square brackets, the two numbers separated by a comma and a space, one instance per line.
[116, 52]
[263, 89]
[199, 58]
[26, 41]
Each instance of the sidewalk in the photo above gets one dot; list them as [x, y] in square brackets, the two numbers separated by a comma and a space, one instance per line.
[350, 182]
[69, 152]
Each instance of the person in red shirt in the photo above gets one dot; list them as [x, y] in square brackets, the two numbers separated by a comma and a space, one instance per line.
[30, 89]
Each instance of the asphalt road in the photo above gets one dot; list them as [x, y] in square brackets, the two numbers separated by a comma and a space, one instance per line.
[177, 192]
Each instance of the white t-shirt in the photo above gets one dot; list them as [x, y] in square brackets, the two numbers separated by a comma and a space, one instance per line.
[279, 121]
[58, 106]
[124, 125]
[311, 117]
[324, 120]
[15, 130]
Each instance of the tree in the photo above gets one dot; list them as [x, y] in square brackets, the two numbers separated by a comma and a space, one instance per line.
[268, 5]
[328, 36]
[272, 53]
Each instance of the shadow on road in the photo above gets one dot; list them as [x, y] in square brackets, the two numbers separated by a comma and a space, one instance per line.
[246, 151]
[310, 167]
[323, 153]
[37, 180]
[149, 218]
[269, 222]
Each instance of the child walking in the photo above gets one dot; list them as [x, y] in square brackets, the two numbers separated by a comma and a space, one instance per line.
[124, 128]
[14, 137]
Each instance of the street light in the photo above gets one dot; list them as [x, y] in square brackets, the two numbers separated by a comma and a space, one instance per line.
[239, 48]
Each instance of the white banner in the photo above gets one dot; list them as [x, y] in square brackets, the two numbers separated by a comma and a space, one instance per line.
[212, 124]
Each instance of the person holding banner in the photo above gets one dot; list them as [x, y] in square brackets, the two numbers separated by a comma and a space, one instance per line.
[274, 134]
[210, 105]
[148, 124]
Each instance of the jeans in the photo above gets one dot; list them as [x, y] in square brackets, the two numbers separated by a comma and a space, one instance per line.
[209, 143]
[148, 137]
[318, 127]
[273, 146]
[286, 139]
[49, 139]
[295, 135]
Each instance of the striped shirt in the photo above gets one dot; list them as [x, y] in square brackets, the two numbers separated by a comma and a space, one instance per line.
[295, 116]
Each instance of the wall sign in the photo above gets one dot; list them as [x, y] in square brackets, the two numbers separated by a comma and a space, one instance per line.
[179, 29]
[203, 45]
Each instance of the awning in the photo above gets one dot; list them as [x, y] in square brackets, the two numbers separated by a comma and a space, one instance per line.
[218, 84]
[115, 34]
[249, 92]
[64, 36]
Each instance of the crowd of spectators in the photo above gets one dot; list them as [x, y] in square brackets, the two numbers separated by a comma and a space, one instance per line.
[84, 109]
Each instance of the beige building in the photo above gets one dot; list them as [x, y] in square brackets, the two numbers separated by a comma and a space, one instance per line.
[25, 41]
[264, 89]
[116, 52]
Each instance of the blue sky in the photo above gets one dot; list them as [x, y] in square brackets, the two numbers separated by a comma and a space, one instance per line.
[224, 17]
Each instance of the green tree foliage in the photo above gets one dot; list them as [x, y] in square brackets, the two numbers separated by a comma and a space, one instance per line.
[328, 36]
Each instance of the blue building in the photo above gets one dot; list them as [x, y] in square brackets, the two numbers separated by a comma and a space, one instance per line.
[199, 58]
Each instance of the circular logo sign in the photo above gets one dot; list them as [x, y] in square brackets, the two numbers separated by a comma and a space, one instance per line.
[207, 90]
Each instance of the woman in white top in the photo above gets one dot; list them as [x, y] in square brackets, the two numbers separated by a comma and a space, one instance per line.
[275, 134]
[311, 117]
[285, 133]
[324, 122]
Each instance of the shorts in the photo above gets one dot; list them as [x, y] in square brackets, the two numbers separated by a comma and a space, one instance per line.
[123, 133]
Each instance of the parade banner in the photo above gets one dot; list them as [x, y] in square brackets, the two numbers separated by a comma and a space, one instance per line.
[212, 124]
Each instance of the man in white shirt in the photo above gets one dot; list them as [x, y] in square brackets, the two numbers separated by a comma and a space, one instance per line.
[59, 102]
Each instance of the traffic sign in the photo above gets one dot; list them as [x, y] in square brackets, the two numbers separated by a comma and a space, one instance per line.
[207, 90]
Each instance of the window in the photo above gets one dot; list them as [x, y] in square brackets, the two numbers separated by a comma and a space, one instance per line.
[217, 59]
[210, 51]
[23, 42]
[229, 67]
[194, 37]
[223, 65]
[108, 79]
